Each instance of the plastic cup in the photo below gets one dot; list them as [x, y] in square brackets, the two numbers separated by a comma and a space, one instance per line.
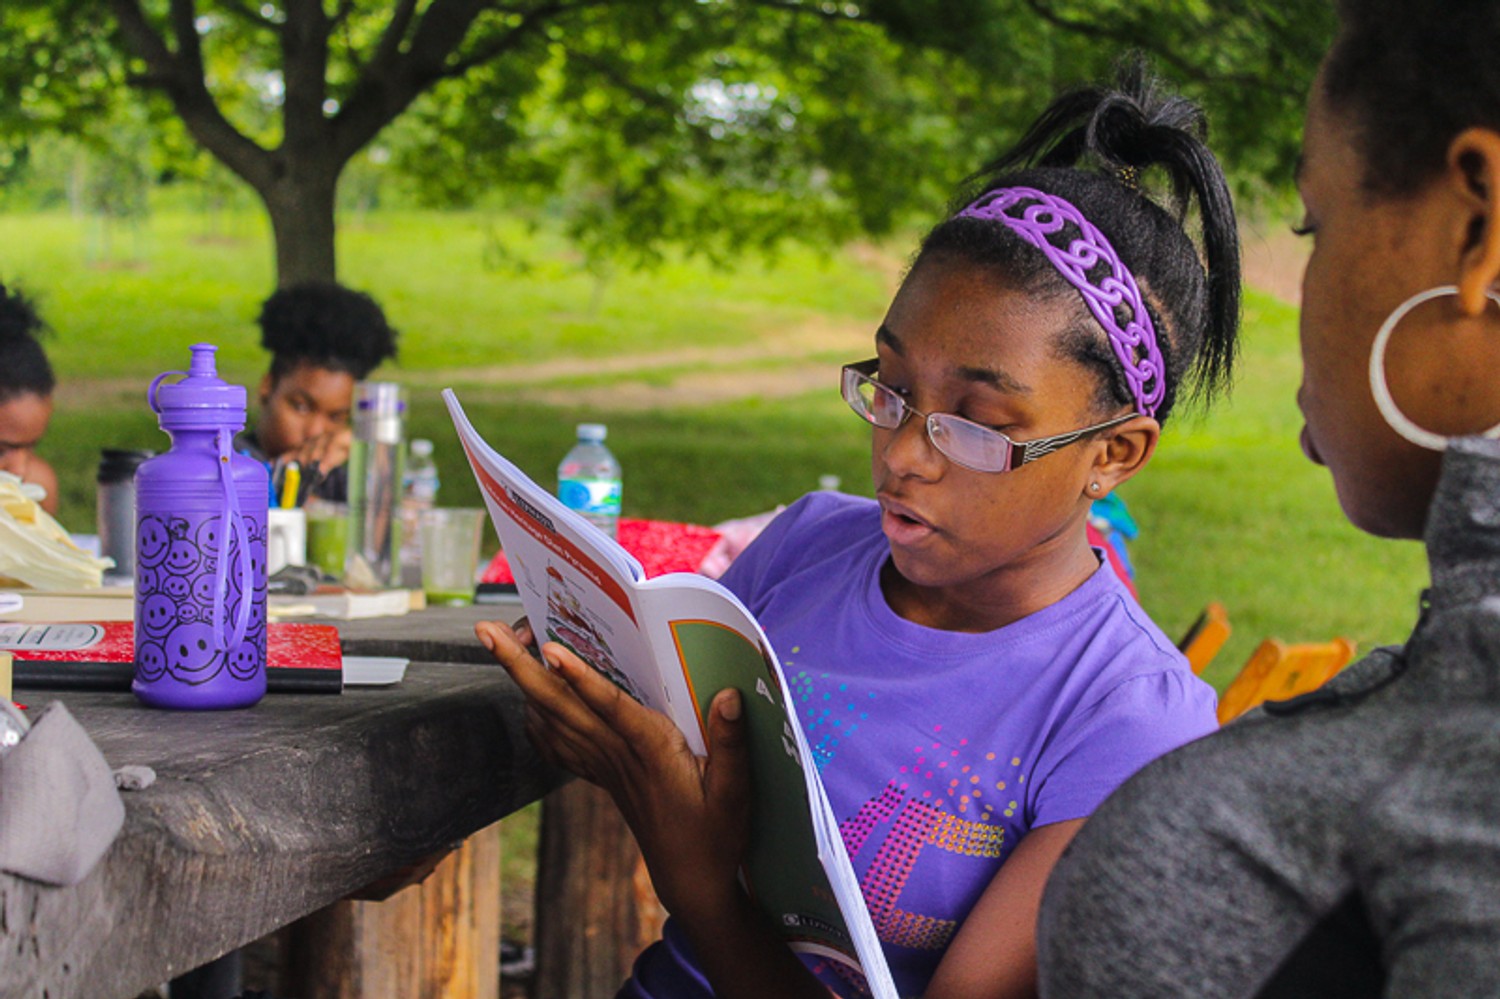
[327, 536]
[286, 538]
[450, 554]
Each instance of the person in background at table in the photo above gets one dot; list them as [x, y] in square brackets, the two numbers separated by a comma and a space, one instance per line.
[1347, 842]
[26, 384]
[973, 678]
[323, 338]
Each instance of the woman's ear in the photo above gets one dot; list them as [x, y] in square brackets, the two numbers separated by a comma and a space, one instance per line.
[1474, 165]
[264, 392]
[1125, 452]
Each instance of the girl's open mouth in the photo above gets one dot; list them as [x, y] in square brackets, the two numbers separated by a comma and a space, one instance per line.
[901, 525]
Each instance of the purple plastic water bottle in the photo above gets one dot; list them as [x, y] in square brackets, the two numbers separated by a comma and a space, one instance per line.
[200, 566]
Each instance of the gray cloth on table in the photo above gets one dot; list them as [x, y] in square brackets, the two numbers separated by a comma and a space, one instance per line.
[59, 809]
[1344, 843]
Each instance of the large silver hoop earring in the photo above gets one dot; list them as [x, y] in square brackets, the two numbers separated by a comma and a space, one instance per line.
[1399, 421]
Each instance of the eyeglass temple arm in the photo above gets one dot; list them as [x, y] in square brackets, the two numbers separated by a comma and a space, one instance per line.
[1029, 451]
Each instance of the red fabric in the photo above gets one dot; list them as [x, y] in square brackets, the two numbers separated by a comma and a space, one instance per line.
[661, 546]
[1098, 540]
[664, 546]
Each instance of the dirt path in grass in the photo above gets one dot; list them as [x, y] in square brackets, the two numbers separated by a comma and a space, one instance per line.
[779, 363]
[1273, 258]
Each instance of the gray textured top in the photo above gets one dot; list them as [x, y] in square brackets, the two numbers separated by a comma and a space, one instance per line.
[1343, 843]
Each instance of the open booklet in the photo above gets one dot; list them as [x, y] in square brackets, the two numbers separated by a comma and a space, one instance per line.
[672, 643]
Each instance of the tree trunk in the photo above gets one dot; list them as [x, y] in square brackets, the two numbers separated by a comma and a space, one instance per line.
[301, 206]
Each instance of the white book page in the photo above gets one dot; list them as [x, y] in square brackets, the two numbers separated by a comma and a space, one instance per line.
[576, 585]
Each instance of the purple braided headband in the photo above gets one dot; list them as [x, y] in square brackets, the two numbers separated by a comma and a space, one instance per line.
[1034, 216]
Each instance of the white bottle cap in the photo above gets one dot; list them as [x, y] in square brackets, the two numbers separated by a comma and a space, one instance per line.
[592, 432]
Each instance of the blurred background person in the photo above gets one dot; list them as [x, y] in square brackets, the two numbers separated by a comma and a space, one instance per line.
[323, 338]
[26, 383]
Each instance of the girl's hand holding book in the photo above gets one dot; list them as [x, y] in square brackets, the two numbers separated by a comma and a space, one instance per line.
[689, 814]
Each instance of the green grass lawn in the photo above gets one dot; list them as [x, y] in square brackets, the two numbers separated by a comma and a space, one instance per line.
[200, 281]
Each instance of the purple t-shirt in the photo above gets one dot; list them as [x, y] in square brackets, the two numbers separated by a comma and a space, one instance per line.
[939, 750]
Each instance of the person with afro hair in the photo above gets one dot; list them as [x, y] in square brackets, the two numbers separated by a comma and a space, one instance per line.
[323, 338]
[26, 384]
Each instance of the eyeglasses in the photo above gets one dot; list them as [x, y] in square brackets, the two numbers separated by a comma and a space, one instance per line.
[961, 441]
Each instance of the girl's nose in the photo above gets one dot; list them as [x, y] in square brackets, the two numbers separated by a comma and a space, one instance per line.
[907, 450]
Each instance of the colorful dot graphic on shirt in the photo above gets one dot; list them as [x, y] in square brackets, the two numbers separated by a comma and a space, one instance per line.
[938, 801]
[831, 711]
[951, 775]
[913, 826]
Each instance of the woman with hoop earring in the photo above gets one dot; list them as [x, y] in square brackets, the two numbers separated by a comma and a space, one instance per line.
[1347, 843]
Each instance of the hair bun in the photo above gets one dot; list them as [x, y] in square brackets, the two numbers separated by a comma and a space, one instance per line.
[1135, 124]
[18, 317]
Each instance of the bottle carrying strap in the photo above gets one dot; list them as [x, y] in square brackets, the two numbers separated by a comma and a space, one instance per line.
[151, 390]
[221, 579]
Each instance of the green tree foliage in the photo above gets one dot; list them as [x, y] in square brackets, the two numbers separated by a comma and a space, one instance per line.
[718, 124]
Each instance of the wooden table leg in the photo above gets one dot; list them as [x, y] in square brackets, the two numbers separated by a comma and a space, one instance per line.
[439, 939]
[595, 908]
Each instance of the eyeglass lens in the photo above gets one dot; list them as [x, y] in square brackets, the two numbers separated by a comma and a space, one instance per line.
[966, 443]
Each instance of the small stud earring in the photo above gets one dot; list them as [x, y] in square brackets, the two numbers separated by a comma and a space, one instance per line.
[1093, 487]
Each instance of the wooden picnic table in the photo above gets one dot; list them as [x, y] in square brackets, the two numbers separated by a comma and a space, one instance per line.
[260, 817]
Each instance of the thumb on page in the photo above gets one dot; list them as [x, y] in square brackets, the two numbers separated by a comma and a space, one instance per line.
[727, 777]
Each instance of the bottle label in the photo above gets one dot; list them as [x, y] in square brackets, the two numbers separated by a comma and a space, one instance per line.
[600, 497]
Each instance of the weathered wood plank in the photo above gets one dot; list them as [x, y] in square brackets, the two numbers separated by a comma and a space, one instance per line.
[259, 817]
[438, 634]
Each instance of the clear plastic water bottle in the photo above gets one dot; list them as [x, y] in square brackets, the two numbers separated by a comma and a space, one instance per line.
[419, 492]
[421, 474]
[588, 480]
[375, 458]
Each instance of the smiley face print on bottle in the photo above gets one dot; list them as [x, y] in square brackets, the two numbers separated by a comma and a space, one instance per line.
[178, 561]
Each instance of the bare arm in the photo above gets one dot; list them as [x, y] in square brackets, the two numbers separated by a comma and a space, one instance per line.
[993, 955]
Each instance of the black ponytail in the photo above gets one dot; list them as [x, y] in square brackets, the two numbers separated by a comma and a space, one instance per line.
[1102, 149]
[23, 363]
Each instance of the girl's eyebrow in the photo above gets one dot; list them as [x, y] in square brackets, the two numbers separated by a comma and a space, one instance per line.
[997, 379]
[987, 376]
[883, 335]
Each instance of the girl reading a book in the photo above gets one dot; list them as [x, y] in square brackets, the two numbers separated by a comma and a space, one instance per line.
[972, 678]
[26, 384]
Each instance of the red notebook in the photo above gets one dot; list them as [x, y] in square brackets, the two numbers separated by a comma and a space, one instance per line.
[300, 657]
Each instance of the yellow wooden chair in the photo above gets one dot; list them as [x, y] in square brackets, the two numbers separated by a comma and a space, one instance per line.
[1206, 637]
[1276, 671]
